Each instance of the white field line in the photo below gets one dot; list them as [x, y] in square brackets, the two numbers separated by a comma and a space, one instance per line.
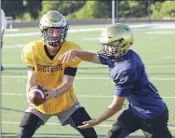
[56, 124]
[95, 65]
[14, 46]
[81, 96]
[22, 34]
[80, 78]
[49, 124]
[91, 38]
[11, 30]
[95, 78]
[161, 26]
[161, 32]
[38, 33]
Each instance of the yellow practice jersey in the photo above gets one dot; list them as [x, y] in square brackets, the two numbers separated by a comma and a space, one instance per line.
[50, 73]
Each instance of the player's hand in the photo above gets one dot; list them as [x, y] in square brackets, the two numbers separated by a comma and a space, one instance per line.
[88, 124]
[66, 57]
[50, 93]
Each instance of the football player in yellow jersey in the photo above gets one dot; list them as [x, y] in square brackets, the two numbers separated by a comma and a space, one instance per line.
[45, 69]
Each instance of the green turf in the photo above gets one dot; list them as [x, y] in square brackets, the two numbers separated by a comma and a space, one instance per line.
[156, 51]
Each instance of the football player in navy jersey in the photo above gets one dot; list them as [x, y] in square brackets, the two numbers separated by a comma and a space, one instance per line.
[147, 111]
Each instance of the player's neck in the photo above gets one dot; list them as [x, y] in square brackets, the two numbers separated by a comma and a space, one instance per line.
[52, 50]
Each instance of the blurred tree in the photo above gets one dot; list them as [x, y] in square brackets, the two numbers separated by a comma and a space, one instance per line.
[168, 9]
[93, 9]
[103, 9]
[155, 1]
[138, 8]
[155, 8]
[124, 9]
[163, 10]
[13, 8]
[84, 9]
[65, 7]
[133, 9]
[86, 12]
[33, 8]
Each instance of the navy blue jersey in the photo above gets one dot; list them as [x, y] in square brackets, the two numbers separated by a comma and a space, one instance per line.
[131, 81]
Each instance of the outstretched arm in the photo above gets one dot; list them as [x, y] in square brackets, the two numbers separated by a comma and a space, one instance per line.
[83, 55]
[112, 109]
[88, 56]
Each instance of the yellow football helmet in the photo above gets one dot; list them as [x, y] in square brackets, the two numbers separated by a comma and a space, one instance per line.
[116, 40]
[53, 19]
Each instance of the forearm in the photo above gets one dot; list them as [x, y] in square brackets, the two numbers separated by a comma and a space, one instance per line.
[31, 81]
[63, 88]
[110, 111]
[87, 56]
[30, 84]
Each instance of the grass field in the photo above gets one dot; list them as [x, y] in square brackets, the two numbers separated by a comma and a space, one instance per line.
[92, 84]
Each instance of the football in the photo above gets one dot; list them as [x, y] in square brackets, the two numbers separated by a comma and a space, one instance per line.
[36, 95]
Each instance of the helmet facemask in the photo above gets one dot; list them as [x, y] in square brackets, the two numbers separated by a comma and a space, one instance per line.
[54, 40]
[111, 50]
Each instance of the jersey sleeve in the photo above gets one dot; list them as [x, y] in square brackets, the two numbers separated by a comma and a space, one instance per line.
[70, 71]
[27, 55]
[124, 83]
[103, 59]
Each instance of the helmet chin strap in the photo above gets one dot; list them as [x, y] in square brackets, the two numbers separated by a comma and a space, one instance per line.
[55, 45]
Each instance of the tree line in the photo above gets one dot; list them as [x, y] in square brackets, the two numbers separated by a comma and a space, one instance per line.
[29, 10]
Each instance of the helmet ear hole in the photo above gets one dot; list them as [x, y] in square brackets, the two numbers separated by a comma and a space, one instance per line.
[123, 46]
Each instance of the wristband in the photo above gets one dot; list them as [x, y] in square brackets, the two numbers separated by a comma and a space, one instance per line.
[57, 93]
